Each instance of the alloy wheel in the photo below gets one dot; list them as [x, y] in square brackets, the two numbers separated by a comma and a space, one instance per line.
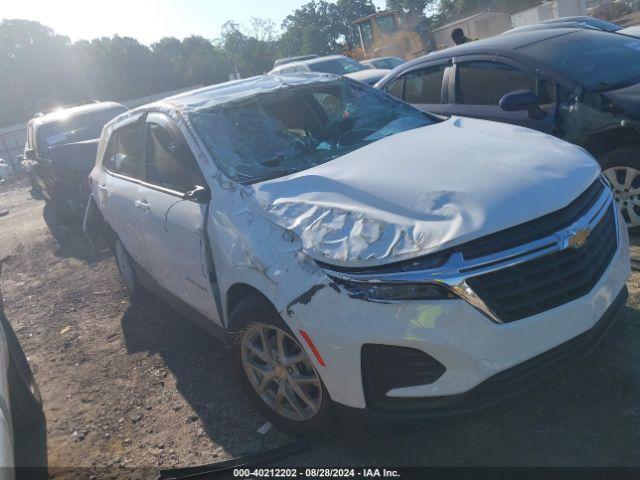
[280, 372]
[626, 189]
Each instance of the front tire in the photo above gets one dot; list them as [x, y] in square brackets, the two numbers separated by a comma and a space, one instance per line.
[276, 372]
[135, 290]
[622, 168]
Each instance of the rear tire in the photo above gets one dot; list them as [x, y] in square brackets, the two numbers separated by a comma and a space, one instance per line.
[305, 409]
[135, 290]
[622, 168]
[63, 213]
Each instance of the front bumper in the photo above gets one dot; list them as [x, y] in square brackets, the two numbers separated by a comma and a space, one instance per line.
[496, 389]
[474, 349]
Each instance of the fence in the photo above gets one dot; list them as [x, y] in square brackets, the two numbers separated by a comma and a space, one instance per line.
[13, 138]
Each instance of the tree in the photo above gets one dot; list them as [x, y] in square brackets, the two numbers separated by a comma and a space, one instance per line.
[414, 8]
[321, 27]
[253, 51]
[348, 11]
[40, 69]
[205, 63]
[34, 67]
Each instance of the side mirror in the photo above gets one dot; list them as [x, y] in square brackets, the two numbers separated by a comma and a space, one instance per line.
[522, 100]
[199, 194]
[30, 154]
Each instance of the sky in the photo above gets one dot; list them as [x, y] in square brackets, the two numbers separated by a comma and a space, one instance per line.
[146, 20]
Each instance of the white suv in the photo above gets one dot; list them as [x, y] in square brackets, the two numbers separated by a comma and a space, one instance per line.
[361, 256]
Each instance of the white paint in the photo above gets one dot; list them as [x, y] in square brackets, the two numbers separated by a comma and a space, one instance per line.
[404, 196]
[451, 331]
[425, 190]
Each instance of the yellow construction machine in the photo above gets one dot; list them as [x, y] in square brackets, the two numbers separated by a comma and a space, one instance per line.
[386, 34]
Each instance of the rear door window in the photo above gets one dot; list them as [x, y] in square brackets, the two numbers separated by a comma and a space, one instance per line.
[124, 153]
[485, 82]
[395, 87]
[424, 86]
[169, 161]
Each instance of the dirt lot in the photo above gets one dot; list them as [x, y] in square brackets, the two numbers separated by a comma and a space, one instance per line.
[138, 386]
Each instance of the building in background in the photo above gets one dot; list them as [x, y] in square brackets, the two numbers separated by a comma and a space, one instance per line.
[549, 11]
[478, 26]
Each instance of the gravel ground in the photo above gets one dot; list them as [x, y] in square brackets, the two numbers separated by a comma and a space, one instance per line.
[139, 386]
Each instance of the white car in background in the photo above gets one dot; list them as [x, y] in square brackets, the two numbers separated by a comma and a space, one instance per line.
[361, 256]
[385, 63]
[334, 64]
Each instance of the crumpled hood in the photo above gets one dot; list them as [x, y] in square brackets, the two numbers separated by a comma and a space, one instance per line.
[425, 190]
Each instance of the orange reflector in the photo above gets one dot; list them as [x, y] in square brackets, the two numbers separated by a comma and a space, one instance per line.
[313, 348]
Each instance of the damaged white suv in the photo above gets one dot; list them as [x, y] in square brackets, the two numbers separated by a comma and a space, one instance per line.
[360, 256]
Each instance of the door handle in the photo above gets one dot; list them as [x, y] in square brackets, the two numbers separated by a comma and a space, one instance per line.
[102, 188]
[143, 205]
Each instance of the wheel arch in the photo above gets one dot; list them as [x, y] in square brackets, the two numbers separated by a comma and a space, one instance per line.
[238, 292]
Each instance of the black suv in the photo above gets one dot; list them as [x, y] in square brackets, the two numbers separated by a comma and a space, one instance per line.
[61, 151]
[580, 85]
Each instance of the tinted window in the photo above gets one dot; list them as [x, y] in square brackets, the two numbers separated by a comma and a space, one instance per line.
[367, 34]
[424, 86]
[485, 83]
[124, 153]
[169, 162]
[75, 128]
[386, 24]
[596, 60]
[395, 87]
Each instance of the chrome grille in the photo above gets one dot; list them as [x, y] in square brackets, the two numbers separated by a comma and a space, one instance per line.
[549, 281]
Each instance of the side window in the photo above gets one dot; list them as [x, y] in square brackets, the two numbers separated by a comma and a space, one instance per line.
[424, 86]
[124, 152]
[169, 162]
[395, 87]
[485, 83]
[366, 33]
[547, 91]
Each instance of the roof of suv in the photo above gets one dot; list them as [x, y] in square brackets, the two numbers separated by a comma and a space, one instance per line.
[213, 95]
[56, 115]
[497, 44]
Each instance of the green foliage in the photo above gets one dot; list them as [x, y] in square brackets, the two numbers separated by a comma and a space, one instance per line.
[39, 68]
[322, 27]
[409, 7]
[252, 51]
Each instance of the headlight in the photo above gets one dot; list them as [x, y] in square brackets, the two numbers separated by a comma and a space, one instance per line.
[397, 291]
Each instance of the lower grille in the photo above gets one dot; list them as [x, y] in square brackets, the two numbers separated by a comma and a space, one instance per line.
[547, 282]
[385, 367]
[508, 382]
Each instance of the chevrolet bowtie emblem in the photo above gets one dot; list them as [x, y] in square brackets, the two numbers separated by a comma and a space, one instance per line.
[579, 238]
